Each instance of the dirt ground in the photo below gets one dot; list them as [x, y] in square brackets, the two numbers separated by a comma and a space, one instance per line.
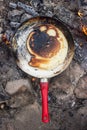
[22, 110]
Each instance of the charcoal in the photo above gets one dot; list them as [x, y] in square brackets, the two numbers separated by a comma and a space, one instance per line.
[14, 24]
[25, 17]
[12, 5]
[15, 15]
[37, 5]
[27, 8]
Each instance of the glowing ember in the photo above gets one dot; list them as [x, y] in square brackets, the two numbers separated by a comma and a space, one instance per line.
[33, 79]
[80, 14]
[84, 29]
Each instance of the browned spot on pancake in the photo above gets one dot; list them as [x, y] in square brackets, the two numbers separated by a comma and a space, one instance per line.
[36, 62]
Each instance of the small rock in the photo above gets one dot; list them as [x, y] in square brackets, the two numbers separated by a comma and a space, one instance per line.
[37, 5]
[14, 24]
[25, 17]
[21, 99]
[13, 87]
[75, 72]
[81, 52]
[0, 38]
[30, 114]
[1, 6]
[81, 89]
[3, 95]
[81, 116]
[1, 30]
[49, 13]
[61, 86]
[15, 15]
[12, 5]
[73, 5]
[84, 64]
[1, 20]
[83, 110]
[2, 106]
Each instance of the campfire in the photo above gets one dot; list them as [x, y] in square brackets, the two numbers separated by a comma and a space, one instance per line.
[67, 96]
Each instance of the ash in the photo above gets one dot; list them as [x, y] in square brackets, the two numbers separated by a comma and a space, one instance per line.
[20, 97]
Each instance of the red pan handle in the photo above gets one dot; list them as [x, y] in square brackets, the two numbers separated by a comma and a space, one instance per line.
[44, 93]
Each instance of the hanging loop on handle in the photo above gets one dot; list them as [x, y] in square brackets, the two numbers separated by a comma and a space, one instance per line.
[44, 93]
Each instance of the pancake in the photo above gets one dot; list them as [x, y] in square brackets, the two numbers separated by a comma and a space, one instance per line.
[47, 46]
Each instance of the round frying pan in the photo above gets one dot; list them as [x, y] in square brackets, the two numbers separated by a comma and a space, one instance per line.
[43, 48]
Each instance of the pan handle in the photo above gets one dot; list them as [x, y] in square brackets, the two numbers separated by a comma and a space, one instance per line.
[44, 93]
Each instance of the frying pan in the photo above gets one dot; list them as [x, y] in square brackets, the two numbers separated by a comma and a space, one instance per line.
[43, 47]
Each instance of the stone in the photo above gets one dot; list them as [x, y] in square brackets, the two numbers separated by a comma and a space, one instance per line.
[1, 6]
[81, 116]
[1, 30]
[1, 20]
[61, 86]
[15, 15]
[4, 96]
[37, 5]
[0, 38]
[82, 111]
[75, 72]
[84, 64]
[49, 13]
[81, 88]
[29, 115]
[13, 87]
[14, 24]
[25, 17]
[12, 5]
[21, 98]
[27, 8]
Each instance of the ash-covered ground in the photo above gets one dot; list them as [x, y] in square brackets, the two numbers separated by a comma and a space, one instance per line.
[20, 97]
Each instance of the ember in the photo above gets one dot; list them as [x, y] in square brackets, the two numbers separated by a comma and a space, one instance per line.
[84, 29]
[80, 14]
[33, 79]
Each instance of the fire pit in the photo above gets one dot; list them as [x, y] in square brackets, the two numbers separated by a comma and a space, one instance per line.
[67, 96]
